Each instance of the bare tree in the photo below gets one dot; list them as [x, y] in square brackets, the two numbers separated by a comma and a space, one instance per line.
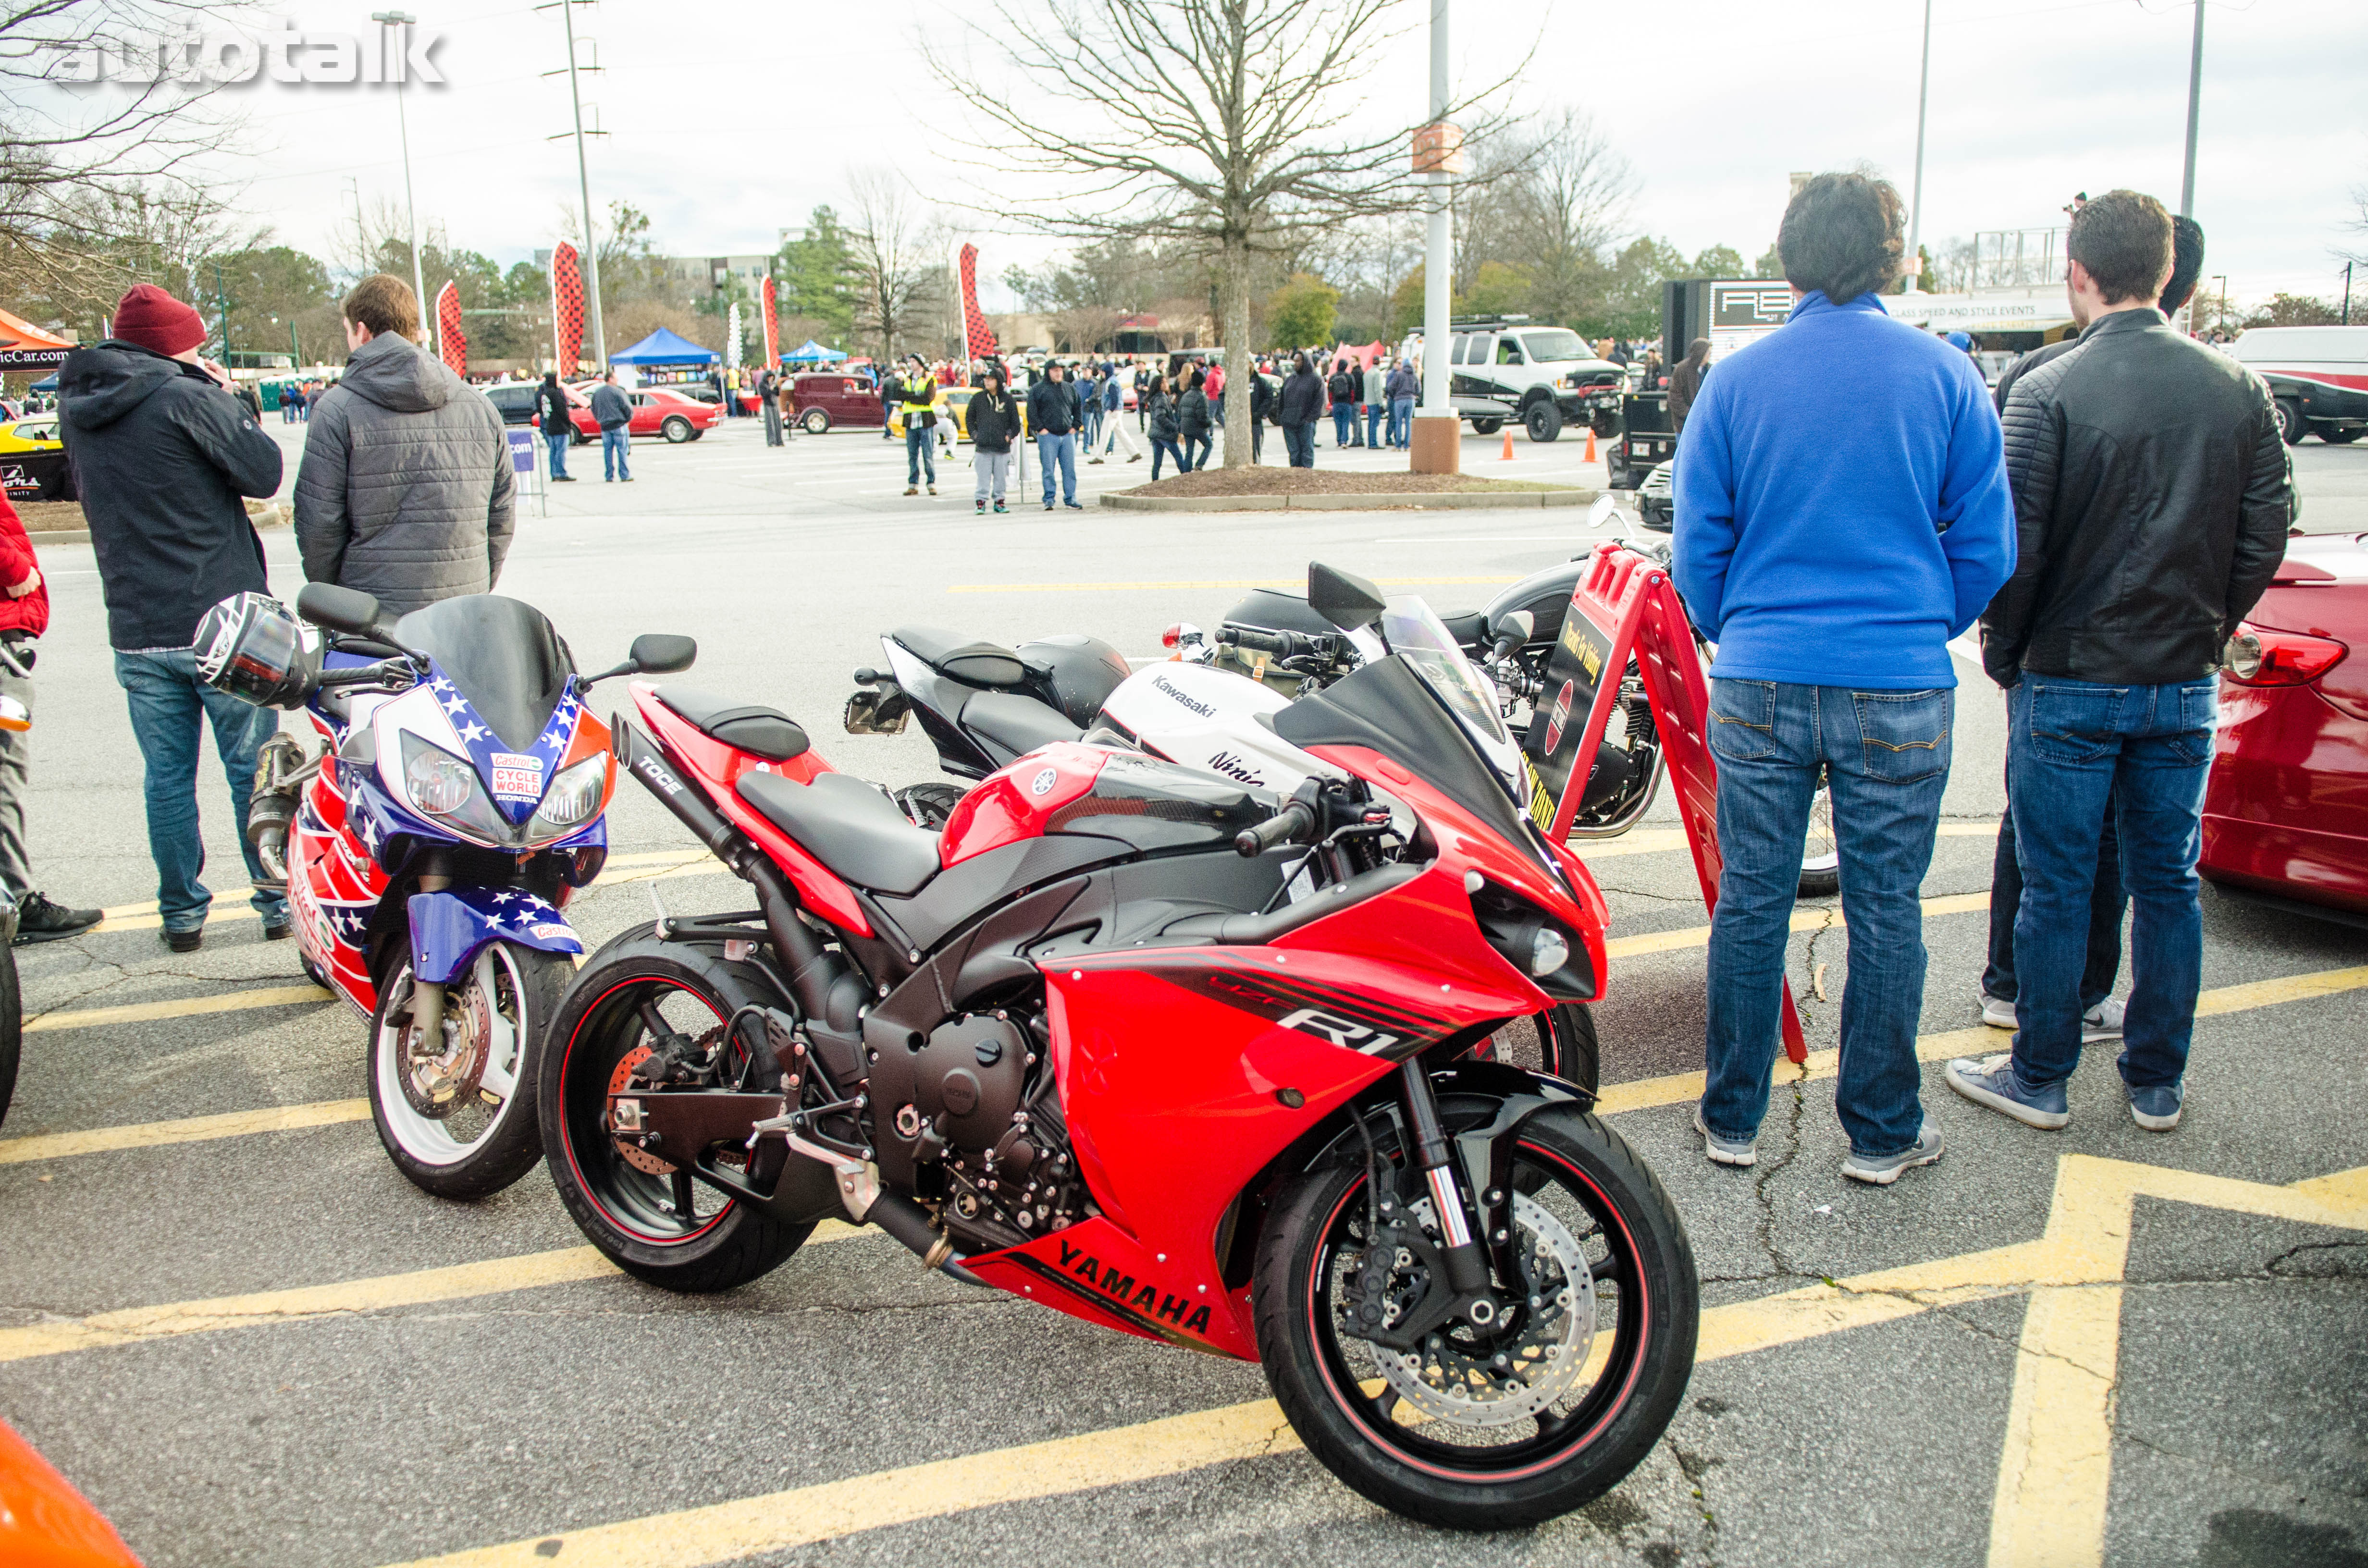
[1566, 209]
[80, 148]
[897, 262]
[1228, 126]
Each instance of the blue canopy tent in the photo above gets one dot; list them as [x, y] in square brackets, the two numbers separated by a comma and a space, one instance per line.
[47, 383]
[664, 347]
[812, 353]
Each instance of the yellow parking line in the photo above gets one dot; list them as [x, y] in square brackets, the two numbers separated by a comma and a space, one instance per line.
[1661, 840]
[2087, 1191]
[183, 1008]
[493, 1276]
[1812, 919]
[188, 1129]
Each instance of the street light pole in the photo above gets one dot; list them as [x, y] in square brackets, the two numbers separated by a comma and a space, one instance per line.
[1438, 435]
[410, 206]
[584, 187]
[2194, 112]
[1916, 202]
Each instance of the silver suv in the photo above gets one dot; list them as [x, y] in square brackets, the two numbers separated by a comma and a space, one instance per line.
[1500, 367]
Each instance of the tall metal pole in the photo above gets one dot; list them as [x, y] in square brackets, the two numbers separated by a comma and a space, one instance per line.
[2194, 112]
[1441, 452]
[1916, 202]
[584, 186]
[399, 19]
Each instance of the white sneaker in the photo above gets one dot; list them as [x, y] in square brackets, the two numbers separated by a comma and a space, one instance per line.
[1997, 1012]
[2102, 1021]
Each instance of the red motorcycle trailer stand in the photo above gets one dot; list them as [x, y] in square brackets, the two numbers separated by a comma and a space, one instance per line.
[1625, 606]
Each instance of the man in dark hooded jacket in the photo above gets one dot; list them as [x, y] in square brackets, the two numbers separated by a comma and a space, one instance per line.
[162, 453]
[1684, 381]
[406, 490]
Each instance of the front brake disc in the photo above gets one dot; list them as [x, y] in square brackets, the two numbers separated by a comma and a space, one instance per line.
[1509, 1377]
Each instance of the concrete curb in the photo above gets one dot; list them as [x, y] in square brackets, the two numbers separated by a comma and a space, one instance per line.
[1428, 501]
[279, 518]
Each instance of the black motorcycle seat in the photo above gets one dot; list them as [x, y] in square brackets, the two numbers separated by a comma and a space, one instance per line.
[962, 658]
[1014, 724]
[744, 726]
[848, 826]
[1467, 629]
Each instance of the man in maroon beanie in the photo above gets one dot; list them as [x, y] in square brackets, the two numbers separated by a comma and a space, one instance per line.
[162, 453]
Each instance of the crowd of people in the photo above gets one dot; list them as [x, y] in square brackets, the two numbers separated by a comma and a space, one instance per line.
[1849, 497]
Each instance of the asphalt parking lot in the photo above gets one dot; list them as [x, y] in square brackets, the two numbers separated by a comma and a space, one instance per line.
[249, 1341]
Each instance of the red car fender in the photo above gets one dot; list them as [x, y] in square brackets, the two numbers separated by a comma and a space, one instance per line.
[44, 1522]
[717, 768]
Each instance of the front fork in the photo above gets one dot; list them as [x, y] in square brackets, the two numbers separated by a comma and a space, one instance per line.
[428, 996]
[1434, 1156]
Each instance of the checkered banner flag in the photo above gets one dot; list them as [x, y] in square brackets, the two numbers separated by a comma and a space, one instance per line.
[978, 335]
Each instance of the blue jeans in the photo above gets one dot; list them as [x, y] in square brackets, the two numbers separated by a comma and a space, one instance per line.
[1299, 440]
[1093, 426]
[1885, 754]
[557, 444]
[1061, 449]
[615, 442]
[1401, 421]
[2106, 904]
[1196, 451]
[921, 454]
[1373, 412]
[1167, 444]
[168, 703]
[1344, 420]
[2075, 751]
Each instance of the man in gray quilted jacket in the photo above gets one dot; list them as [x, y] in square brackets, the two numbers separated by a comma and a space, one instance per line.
[406, 490]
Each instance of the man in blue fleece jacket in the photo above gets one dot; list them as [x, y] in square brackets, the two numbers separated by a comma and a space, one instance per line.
[1842, 511]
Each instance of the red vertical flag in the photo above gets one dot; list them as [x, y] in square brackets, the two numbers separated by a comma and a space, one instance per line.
[566, 309]
[772, 327]
[451, 341]
[979, 336]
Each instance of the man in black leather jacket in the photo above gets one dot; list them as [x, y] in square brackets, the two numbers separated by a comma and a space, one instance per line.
[2100, 1014]
[2152, 499]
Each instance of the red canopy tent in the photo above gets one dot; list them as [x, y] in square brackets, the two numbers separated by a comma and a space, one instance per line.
[28, 348]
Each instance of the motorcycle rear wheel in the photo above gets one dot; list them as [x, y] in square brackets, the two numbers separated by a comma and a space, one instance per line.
[501, 1143]
[659, 1226]
[11, 1028]
[1471, 1466]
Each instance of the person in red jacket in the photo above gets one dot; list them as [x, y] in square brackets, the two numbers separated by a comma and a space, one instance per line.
[24, 615]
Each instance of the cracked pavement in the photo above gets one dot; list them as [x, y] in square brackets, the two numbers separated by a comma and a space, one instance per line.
[2240, 1428]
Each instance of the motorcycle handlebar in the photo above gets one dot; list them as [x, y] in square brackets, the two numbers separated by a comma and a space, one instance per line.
[1284, 644]
[1292, 823]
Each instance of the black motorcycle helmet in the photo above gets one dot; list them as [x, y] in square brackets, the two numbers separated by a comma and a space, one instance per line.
[253, 647]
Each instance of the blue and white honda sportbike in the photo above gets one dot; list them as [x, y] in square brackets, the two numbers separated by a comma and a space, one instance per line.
[429, 843]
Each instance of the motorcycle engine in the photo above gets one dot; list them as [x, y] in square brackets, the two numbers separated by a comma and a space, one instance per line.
[970, 1111]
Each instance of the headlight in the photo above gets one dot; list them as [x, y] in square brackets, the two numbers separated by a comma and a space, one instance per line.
[572, 799]
[1548, 952]
[440, 783]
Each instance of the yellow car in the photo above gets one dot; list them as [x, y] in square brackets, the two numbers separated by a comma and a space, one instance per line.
[34, 432]
[954, 401]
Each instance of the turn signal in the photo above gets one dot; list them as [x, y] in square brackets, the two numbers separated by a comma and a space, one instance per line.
[2260, 656]
[1173, 635]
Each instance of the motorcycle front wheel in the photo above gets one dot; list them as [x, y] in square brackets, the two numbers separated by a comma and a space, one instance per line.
[1560, 1042]
[457, 1117]
[648, 1215]
[1498, 1427]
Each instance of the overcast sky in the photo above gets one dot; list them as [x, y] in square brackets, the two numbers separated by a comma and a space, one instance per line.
[728, 119]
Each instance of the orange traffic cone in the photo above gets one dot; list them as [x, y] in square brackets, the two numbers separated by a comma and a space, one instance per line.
[1590, 444]
[1508, 443]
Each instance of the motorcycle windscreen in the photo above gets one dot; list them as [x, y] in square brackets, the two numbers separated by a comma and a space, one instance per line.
[505, 656]
[1388, 706]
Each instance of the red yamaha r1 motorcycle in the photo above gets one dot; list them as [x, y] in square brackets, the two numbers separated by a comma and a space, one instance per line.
[1100, 1044]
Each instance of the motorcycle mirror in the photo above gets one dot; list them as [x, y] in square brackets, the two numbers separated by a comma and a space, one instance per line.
[1516, 624]
[340, 609]
[1604, 509]
[1345, 599]
[659, 654]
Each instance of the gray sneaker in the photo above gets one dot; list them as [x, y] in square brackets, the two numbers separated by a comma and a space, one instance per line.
[2102, 1021]
[1884, 1170]
[1726, 1151]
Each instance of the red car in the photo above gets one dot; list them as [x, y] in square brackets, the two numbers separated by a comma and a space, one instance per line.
[2286, 812]
[821, 399]
[658, 411]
